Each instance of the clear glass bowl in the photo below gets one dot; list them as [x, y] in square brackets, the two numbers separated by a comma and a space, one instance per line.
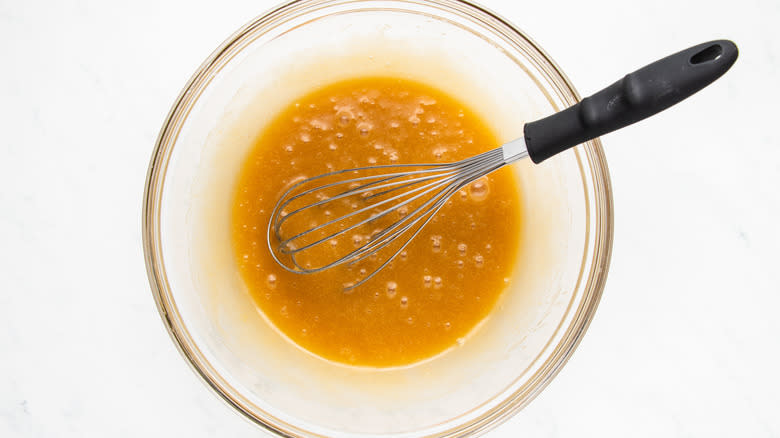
[566, 237]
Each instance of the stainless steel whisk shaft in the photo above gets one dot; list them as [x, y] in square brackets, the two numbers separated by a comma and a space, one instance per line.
[386, 188]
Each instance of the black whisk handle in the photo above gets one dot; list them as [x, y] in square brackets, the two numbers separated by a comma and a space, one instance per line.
[638, 95]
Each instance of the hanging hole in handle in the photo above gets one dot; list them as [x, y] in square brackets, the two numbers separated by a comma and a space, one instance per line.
[711, 53]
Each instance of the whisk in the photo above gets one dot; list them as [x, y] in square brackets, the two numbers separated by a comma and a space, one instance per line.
[398, 201]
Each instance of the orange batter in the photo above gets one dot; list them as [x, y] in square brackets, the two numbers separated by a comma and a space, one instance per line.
[447, 280]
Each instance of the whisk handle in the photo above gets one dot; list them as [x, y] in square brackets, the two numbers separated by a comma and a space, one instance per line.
[638, 95]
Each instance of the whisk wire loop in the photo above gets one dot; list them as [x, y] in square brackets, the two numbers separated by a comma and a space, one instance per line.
[424, 187]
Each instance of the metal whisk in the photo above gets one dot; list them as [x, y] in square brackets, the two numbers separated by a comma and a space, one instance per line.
[399, 200]
[422, 187]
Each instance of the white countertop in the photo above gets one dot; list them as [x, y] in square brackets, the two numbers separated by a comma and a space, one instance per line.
[686, 341]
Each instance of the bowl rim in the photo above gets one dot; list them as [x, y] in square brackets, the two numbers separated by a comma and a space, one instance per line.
[594, 280]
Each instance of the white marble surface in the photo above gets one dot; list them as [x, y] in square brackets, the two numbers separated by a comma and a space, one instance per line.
[686, 341]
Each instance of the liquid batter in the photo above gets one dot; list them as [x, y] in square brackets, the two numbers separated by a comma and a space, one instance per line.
[445, 282]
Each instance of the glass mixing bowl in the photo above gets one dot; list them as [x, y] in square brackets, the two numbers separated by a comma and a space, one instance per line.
[565, 239]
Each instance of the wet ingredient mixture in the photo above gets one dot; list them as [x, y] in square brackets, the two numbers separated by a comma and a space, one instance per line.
[444, 283]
